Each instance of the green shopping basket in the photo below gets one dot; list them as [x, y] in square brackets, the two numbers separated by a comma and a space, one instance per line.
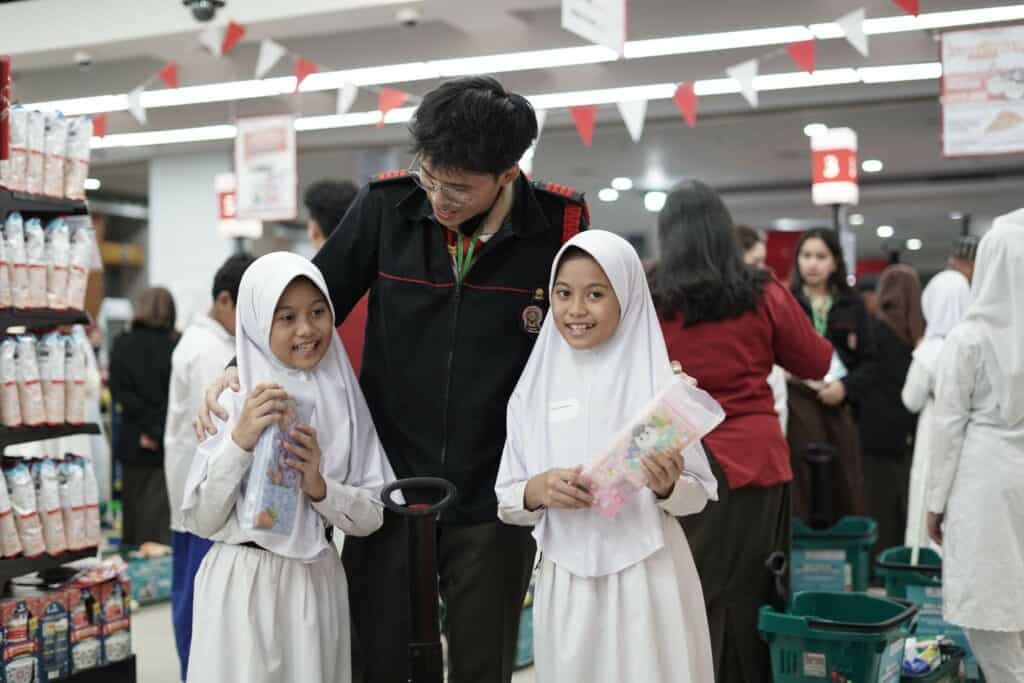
[835, 559]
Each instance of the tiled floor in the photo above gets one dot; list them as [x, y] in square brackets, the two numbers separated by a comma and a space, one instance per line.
[157, 658]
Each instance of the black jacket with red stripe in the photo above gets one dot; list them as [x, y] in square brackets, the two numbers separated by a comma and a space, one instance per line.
[442, 358]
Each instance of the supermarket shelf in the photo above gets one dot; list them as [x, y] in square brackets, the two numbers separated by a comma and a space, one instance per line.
[19, 566]
[10, 436]
[33, 204]
[40, 318]
[118, 672]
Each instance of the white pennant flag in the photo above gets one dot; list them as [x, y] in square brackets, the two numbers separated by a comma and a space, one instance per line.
[745, 73]
[526, 163]
[270, 54]
[135, 105]
[633, 115]
[853, 28]
[213, 39]
[347, 97]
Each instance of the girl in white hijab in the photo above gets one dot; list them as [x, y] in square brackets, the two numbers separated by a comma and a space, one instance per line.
[273, 608]
[944, 303]
[976, 483]
[617, 599]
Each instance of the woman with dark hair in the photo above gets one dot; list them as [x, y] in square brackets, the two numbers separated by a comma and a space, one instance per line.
[728, 323]
[886, 426]
[140, 380]
[820, 412]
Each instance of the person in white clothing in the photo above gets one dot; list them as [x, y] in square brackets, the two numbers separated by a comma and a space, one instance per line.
[944, 303]
[617, 599]
[205, 349]
[976, 482]
[273, 607]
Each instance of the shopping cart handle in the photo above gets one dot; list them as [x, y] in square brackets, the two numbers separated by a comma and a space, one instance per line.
[831, 625]
[419, 510]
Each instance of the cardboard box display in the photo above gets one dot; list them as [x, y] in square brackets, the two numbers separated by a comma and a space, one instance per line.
[115, 618]
[84, 613]
[21, 642]
[54, 628]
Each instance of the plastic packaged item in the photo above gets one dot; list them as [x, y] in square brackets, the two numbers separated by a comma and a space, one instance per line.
[72, 502]
[10, 544]
[10, 404]
[52, 361]
[74, 381]
[22, 646]
[55, 142]
[675, 418]
[17, 259]
[47, 482]
[30, 389]
[54, 629]
[58, 260]
[76, 168]
[82, 257]
[35, 254]
[92, 504]
[115, 605]
[22, 492]
[274, 489]
[12, 171]
[84, 613]
[6, 300]
[36, 146]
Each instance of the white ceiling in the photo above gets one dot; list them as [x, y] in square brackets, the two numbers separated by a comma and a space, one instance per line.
[758, 158]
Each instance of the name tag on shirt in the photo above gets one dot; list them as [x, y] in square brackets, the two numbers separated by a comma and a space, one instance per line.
[563, 411]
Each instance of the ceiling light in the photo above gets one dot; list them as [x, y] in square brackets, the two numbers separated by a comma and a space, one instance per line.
[856, 219]
[92, 183]
[885, 231]
[872, 166]
[812, 129]
[608, 194]
[956, 216]
[165, 137]
[655, 201]
[925, 71]
[713, 42]
[914, 244]
[622, 184]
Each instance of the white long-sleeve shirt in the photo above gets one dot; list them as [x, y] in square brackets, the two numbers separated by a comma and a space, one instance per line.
[198, 360]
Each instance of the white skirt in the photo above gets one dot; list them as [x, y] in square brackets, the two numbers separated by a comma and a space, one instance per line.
[646, 623]
[263, 618]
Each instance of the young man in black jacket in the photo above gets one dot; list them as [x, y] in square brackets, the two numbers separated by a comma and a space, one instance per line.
[456, 253]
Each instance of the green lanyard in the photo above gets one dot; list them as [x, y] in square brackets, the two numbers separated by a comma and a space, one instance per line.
[464, 256]
[820, 317]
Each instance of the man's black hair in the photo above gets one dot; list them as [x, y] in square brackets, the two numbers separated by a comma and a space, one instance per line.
[473, 124]
[327, 201]
[229, 276]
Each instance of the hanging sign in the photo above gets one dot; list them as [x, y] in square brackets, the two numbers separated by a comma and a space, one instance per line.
[599, 21]
[228, 224]
[834, 167]
[265, 168]
[983, 91]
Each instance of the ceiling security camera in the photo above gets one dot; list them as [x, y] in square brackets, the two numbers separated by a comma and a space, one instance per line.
[409, 16]
[203, 10]
[83, 60]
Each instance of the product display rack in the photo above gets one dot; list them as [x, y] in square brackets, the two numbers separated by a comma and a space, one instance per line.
[118, 672]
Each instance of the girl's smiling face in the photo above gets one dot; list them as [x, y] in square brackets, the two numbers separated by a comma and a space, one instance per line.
[303, 325]
[583, 303]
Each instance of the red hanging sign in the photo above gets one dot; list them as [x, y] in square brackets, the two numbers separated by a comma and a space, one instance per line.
[804, 54]
[304, 68]
[99, 125]
[909, 6]
[685, 99]
[585, 119]
[834, 167]
[169, 75]
[233, 35]
[389, 99]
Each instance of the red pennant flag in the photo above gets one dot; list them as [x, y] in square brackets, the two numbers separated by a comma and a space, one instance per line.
[389, 99]
[99, 125]
[686, 102]
[585, 118]
[304, 68]
[169, 75]
[233, 35]
[909, 6]
[804, 54]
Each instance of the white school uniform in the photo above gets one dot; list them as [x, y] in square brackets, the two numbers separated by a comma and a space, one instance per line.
[617, 599]
[280, 614]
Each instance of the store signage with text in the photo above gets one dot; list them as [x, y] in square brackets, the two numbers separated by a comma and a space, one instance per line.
[834, 167]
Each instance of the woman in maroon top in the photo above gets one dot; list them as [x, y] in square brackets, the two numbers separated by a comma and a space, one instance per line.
[727, 324]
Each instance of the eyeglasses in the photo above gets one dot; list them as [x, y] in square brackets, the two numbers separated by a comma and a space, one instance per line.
[457, 197]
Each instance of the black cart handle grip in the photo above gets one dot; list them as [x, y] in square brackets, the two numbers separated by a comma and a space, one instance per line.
[434, 483]
[830, 625]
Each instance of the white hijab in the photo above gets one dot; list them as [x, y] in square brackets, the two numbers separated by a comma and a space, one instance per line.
[997, 307]
[351, 451]
[944, 303]
[596, 393]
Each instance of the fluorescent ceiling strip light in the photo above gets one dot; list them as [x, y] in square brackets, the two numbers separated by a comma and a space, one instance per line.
[165, 137]
[353, 119]
[525, 61]
[899, 73]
